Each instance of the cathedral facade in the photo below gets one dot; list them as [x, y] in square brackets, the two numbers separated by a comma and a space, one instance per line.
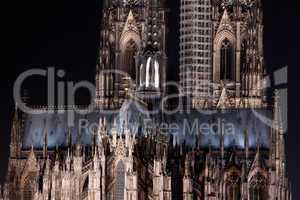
[215, 146]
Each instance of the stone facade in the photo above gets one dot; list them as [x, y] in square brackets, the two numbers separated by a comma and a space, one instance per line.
[126, 166]
[120, 164]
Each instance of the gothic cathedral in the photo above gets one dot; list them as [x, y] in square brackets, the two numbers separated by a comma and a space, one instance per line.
[217, 144]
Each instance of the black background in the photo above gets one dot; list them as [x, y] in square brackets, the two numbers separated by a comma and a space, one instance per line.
[64, 34]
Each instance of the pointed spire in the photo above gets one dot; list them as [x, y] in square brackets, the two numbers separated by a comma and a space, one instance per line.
[96, 158]
[83, 153]
[258, 142]
[47, 166]
[32, 154]
[246, 144]
[126, 120]
[164, 162]
[100, 126]
[257, 158]
[94, 139]
[278, 115]
[130, 24]
[68, 161]
[78, 149]
[31, 162]
[115, 124]
[180, 149]
[222, 144]
[207, 164]
[69, 144]
[258, 161]
[104, 130]
[233, 159]
[56, 162]
[100, 132]
[126, 131]
[279, 136]
[209, 144]
[225, 23]
[56, 153]
[223, 99]
[222, 147]
[45, 146]
[68, 154]
[114, 133]
[187, 172]
[258, 136]
[78, 144]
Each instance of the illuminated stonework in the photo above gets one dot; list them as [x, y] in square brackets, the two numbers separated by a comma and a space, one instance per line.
[124, 158]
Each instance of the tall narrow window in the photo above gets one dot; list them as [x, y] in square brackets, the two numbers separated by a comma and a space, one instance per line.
[258, 193]
[120, 181]
[227, 61]
[233, 191]
[243, 65]
[128, 62]
[243, 55]
[258, 188]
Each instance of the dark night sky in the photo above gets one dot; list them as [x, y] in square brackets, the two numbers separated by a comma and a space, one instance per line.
[63, 33]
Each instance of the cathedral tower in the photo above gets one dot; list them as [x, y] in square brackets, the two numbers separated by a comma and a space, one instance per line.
[237, 47]
[195, 49]
[221, 50]
[236, 152]
[132, 50]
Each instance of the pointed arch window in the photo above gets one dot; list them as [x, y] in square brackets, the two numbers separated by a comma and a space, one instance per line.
[227, 60]
[243, 64]
[233, 191]
[128, 58]
[152, 73]
[120, 181]
[29, 183]
[258, 189]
